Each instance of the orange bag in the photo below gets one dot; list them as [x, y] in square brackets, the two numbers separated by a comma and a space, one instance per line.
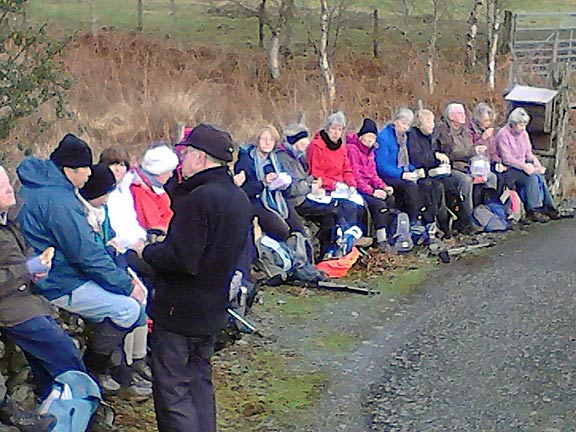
[338, 268]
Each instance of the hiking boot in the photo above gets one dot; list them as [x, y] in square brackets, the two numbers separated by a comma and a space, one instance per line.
[139, 387]
[384, 247]
[141, 367]
[6, 428]
[552, 213]
[536, 216]
[108, 384]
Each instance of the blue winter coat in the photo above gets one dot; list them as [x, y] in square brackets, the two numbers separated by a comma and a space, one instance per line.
[386, 154]
[52, 215]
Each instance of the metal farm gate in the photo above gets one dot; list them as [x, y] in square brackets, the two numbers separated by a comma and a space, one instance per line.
[539, 40]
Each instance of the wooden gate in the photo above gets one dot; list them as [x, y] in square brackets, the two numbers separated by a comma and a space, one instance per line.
[538, 40]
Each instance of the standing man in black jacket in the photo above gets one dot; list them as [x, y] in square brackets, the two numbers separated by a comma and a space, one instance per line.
[194, 265]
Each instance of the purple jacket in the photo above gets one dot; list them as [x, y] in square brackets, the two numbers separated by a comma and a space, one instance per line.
[363, 166]
[515, 150]
[490, 143]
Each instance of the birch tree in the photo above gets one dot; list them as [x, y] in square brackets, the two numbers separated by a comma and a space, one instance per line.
[173, 10]
[93, 18]
[494, 14]
[324, 59]
[431, 59]
[277, 21]
[471, 36]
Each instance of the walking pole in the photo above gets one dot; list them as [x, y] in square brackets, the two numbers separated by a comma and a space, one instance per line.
[244, 322]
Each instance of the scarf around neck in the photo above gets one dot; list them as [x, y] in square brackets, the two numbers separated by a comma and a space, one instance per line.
[403, 156]
[271, 200]
[95, 215]
[329, 143]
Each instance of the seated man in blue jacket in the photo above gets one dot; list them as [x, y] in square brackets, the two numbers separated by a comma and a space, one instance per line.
[84, 278]
[416, 194]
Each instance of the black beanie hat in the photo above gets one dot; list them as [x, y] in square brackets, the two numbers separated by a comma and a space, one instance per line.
[72, 152]
[211, 140]
[368, 126]
[101, 182]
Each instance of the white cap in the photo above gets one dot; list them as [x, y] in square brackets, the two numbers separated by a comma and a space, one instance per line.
[160, 160]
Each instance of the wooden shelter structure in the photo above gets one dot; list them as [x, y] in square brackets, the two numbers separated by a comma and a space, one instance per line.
[543, 49]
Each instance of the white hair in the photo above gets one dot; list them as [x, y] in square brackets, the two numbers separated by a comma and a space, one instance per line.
[518, 115]
[404, 114]
[450, 107]
[421, 115]
[337, 118]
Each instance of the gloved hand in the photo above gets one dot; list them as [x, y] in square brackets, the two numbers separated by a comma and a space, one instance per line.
[35, 266]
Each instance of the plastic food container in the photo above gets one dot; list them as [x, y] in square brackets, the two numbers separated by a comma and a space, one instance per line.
[443, 169]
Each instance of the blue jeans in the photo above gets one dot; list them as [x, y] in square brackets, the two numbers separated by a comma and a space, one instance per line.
[533, 190]
[95, 304]
[48, 348]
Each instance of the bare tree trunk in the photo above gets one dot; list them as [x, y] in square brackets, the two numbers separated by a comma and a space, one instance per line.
[274, 55]
[173, 11]
[341, 9]
[139, 23]
[472, 33]
[432, 49]
[493, 46]
[325, 65]
[286, 23]
[375, 51]
[261, 23]
[489, 27]
[406, 11]
[93, 20]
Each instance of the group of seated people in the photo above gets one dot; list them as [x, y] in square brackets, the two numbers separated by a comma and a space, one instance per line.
[433, 172]
[84, 221]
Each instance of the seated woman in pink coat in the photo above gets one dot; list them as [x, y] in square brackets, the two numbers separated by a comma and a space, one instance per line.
[376, 193]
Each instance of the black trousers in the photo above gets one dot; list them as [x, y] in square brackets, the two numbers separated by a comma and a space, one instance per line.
[182, 382]
[420, 200]
[327, 216]
[381, 210]
[273, 225]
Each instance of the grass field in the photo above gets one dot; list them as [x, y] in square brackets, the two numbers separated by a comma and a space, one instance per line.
[192, 23]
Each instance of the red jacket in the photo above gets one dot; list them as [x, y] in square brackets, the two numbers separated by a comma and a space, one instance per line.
[330, 165]
[363, 166]
[152, 209]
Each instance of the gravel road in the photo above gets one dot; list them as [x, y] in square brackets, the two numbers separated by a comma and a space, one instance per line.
[496, 350]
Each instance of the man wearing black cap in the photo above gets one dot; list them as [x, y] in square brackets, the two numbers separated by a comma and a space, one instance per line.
[84, 279]
[194, 266]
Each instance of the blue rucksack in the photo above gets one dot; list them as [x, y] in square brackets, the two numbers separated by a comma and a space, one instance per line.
[491, 217]
[73, 400]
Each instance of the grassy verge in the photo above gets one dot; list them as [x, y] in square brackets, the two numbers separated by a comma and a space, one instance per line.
[275, 384]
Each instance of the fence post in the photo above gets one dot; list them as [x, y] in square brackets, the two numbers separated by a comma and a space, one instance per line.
[507, 30]
[555, 49]
[375, 50]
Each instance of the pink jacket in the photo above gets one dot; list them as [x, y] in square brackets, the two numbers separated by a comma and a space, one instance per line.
[515, 150]
[363, 166]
